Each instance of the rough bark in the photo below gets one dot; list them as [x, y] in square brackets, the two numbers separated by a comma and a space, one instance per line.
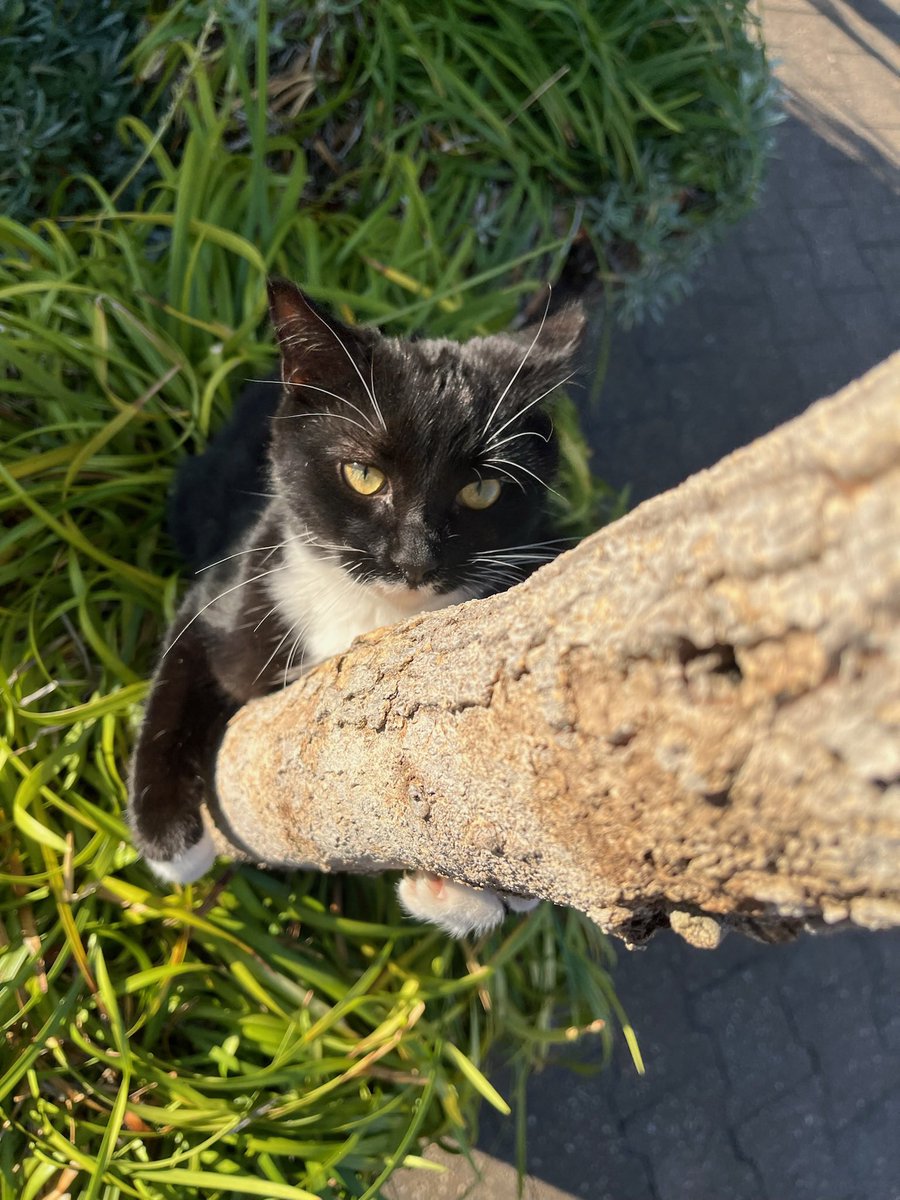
[691, 718]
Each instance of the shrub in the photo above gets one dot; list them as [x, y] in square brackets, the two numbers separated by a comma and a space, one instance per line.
[63, 87]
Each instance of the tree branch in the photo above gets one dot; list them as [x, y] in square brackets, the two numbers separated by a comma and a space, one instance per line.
[692, 717]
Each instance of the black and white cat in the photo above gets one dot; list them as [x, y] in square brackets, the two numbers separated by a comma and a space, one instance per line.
[398, 477]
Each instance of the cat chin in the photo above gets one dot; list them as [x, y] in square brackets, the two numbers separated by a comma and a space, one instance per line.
[405, 597]
[420, 599]
[455, 907]
[186, 867]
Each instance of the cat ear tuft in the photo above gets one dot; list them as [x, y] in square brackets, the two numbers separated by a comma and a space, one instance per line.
[314, 344]
[294, 316]
[561, 335]
[565, 329]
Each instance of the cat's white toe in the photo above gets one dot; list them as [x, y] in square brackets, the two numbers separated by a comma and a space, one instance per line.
[519, 904]
[455, 907]
[187, 867]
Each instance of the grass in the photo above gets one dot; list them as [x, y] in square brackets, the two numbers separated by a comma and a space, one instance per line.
[257, 1034]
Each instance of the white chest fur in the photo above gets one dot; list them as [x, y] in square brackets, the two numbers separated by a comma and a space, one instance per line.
[326, 608]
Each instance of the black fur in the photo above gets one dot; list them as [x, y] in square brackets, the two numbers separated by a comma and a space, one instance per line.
[218, 495]
[431, 416]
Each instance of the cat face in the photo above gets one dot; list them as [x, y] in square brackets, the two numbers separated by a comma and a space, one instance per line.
[413, 464]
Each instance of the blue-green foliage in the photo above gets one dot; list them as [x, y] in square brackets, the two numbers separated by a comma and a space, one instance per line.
[64, 84]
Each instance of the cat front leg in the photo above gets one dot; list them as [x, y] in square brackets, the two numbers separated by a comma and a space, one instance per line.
[172, 767]
[456, 908]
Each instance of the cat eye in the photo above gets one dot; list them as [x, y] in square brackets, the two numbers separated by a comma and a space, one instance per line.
[365, 479]
[479, 495]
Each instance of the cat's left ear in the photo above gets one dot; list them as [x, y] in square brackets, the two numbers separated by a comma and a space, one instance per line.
[549, 348]
[559, 335]
[314, 344]
[552, 348]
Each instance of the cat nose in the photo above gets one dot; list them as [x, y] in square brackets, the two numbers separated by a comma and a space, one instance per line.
[415, 563]
[414, 570]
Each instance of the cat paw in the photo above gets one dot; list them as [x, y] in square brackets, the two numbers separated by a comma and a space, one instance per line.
[455, 907]
[188, 866]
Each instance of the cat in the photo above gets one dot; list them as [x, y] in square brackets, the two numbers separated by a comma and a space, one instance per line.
[380, 477]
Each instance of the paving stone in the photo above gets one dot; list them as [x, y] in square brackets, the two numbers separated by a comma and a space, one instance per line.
[760, 1054]
[633, 456]
[651, 981]
[886, 991]
[884, 262]
[832, 236]
[769, 227]
[854, 1064]
[840, 265]
[829, 988]
[862, 314]
[874, 86]
[822, 186]
[713, 411]
[876, 12]
[789, 1142]
[674, 1056]
[690, 1150]
[868, 1150]
[701, 969]
[574, 1139]
[827, 365]
[829, 960]
[794, 299]
[677, 339]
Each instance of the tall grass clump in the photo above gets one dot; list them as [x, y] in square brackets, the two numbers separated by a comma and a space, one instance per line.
[638, 129]
[256, 1034]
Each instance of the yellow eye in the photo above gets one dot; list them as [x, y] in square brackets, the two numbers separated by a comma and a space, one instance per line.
[362, 478]
[479, 495]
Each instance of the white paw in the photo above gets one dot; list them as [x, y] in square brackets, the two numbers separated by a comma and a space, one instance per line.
[457, 908]
[187, 867]
[519, 904]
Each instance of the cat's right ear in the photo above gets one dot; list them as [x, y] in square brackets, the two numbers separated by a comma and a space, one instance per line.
[314, 344]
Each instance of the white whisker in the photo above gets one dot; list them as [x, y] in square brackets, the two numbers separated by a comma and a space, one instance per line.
[537, 545]
[498, 572]
[252, 550]
[372, 393]
[344, 588]
[512, 559]
[337, 417]
[495, 445]
[227, 592]
[530, 404]
[511, 478]
[528, 471]
[282, 640]
[273, 609]
[518, 370]
[343, 399]
[352, 362]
